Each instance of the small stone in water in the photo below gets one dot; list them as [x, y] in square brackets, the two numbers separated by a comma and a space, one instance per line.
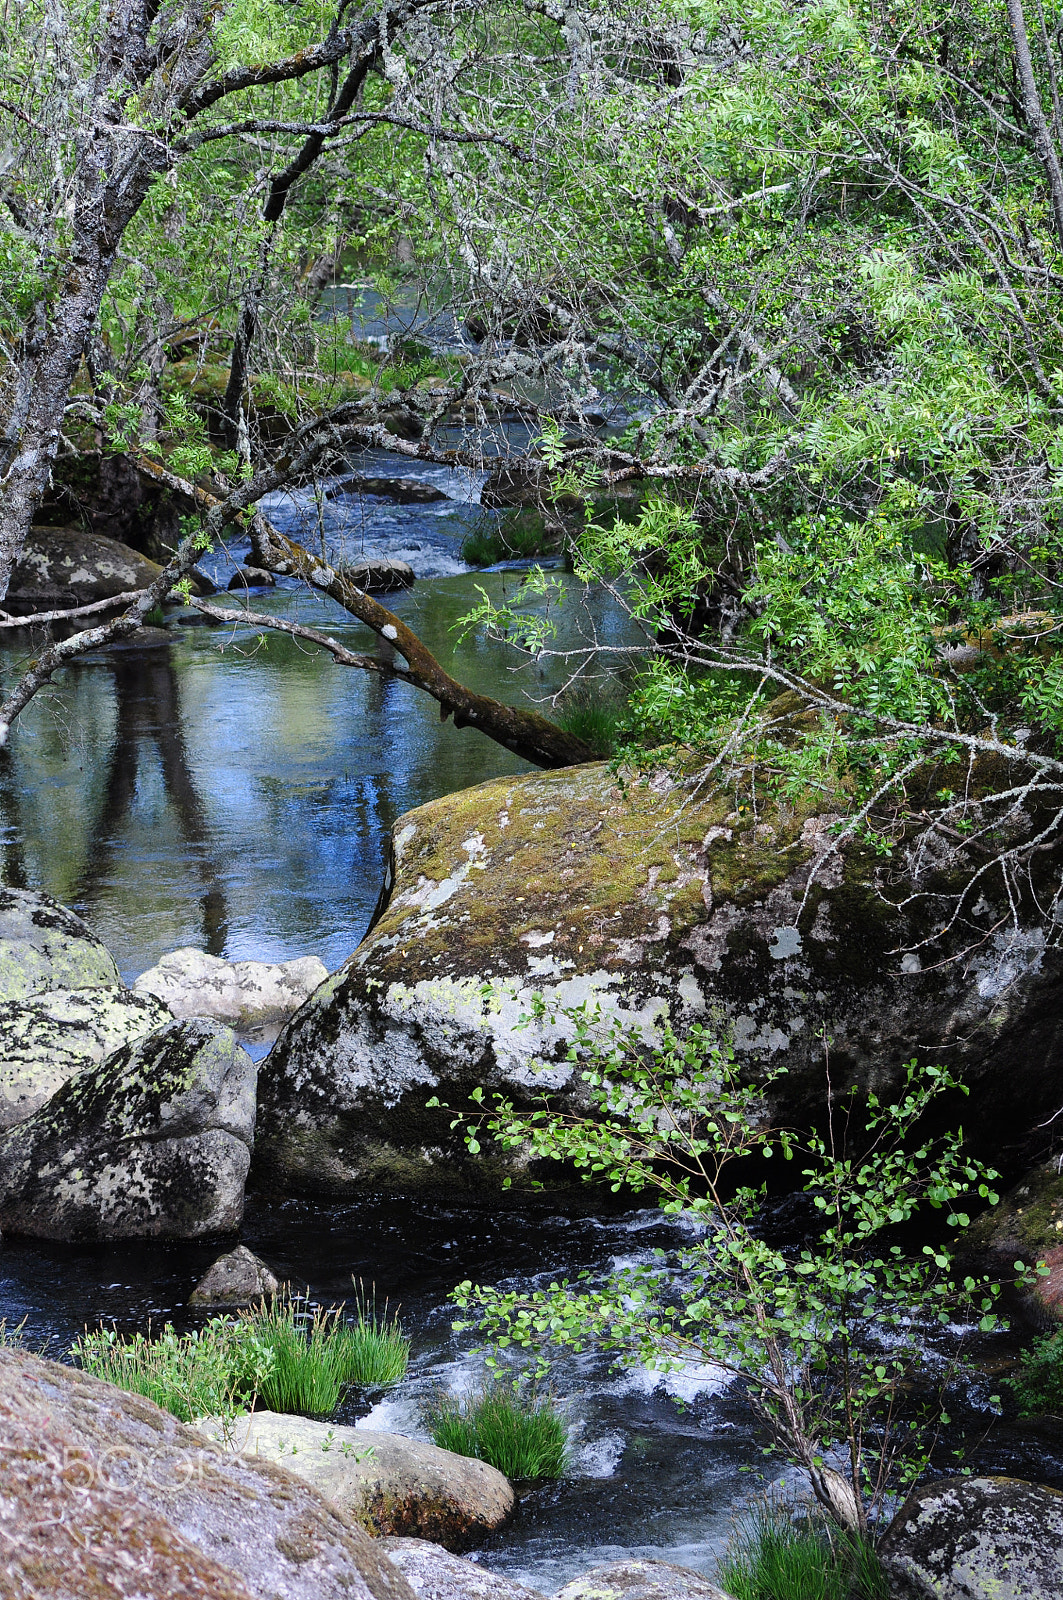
[236, 1279]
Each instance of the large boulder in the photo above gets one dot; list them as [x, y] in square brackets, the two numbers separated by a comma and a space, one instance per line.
[648, 899]
[62, 567]
[63, 1006]
[51, 1038]
[1027, 1226]
[388, 1483]
[154, 1143]
[976, 1539]
[434, 1574]
[43, 946]
[248, 995]
[103, 1495]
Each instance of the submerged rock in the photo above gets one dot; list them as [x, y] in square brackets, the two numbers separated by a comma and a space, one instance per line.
[648, 900]
[49, 1039]
[388, 1483]
[640, 1580]
[154, 1143]
[104, 1495]
[434, 1574]
[236, 1279]
[1027, 1226]
[976, 1539]
[245, 994]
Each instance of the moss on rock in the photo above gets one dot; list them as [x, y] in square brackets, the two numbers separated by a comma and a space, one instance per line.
[648, 898]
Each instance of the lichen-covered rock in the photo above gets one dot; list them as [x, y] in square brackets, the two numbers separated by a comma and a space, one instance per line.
[48, 1039]
[238, 1278]
[976, 1539]
[434, 1574]
[385, 1481]
[103, 1496]
[640, 1580]
[43, 946]
[248, 995]
[153, 1143]
[71, 566]
[647, 899]
[1027, 1226]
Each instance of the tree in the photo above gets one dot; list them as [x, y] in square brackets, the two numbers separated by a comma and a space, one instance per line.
[828, 1338]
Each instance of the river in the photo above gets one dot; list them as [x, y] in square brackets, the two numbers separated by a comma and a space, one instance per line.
[235, 794]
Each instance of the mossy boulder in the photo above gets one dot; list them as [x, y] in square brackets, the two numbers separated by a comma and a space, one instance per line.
[71, 566]
[385, 1481]
[648, 899]
[1027, 1226]
[44, 946]
[153, 1143]
[52, 1037]
[976, 1539]
[104, 1495]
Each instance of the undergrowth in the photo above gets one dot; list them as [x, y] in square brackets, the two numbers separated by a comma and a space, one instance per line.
[778, 1552]
[1038, 1385]
[285, 1356]
[511, 1427]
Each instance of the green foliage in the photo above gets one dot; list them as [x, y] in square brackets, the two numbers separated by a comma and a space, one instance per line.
[509, 1425]
[782, 1552]
[512, 536]
[374, 1351]
[1038, 1385]
[210, 1371]
[594, 714]
[284, 1355]
[828, 1337]
[317, 1353]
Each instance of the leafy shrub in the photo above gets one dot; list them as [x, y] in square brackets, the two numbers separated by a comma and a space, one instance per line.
[203, 1373]
[1038, 1386]
[778, 1553]
[510, 1426]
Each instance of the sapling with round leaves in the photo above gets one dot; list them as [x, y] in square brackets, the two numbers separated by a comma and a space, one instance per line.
[826, 1338]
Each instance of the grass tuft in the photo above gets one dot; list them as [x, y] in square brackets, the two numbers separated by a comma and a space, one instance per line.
[199, 1374]
[594, 716]
[285, 1356]
[779, 1552]
[507, 1425]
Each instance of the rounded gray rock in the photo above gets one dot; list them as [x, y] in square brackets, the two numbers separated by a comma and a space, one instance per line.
[387, 1482]
[434, 1574]
[238, 1278]
[640, 1580]
[43, 946]
[976, 1539]
[153, 1143]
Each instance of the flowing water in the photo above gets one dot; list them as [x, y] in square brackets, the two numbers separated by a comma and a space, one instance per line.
[235, 793]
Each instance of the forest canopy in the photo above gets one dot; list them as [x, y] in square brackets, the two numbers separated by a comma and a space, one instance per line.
[773, 290]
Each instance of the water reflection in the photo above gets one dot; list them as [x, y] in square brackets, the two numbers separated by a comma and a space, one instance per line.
[234, 791]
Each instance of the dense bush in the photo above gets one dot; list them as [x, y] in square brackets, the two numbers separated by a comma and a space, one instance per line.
[1038, 1385]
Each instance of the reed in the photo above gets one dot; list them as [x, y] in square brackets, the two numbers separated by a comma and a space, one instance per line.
[508, 1425]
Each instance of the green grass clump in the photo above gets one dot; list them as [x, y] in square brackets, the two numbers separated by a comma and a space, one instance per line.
[1038, 1385]
[317, 1354]
[509, 1426]
[515, 535]
[779, 1553]
[593, 716]
[374, 1350]
[204, 1373]
[283, 1356]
